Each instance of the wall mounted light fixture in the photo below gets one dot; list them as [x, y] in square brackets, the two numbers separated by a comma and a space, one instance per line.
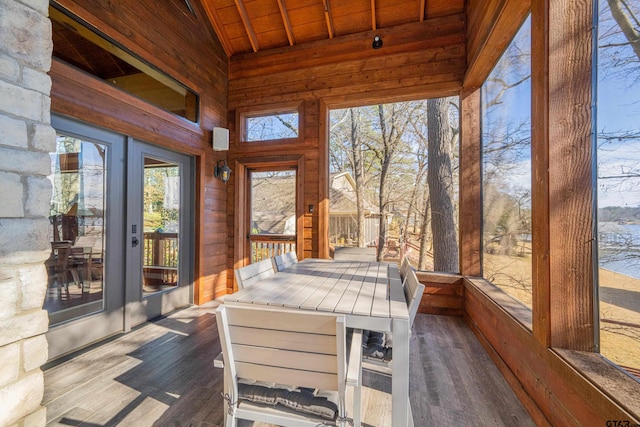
[222, 171]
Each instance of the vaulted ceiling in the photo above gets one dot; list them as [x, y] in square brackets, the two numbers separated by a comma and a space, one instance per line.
[245, 26]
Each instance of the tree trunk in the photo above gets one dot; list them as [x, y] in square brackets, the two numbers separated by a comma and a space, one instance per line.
[440, 181]
[356, 151]
[383, 196]
[424, 229]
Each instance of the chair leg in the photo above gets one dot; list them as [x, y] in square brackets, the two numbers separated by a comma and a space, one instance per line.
[357, 400]
[410, 417]
[230, 419]
[76, 277]
[357, 403]
[61, 278]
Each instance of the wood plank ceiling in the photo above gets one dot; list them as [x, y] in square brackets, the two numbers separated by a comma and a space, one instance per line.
[245, 26]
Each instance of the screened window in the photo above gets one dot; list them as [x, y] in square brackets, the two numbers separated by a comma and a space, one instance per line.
[618, 154]
[271, 126]
[506, 174]
[397, 191]
[273, 219]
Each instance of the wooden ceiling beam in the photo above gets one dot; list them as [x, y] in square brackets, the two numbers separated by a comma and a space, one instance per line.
[448, 31]
[218, 27]
[327, 16]
[374, 24]
[247, 25]
[287, 23]
[423, 6]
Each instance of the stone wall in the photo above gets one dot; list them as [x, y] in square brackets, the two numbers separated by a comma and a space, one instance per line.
[26, 138]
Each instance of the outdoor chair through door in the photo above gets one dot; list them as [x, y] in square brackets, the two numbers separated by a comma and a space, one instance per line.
[286, 260]
[252, 273]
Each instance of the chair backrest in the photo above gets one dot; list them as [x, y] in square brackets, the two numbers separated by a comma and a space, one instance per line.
[413, 291]
[250, 274]
[63, 254]
[285, 348]
[298, 349]
[286, 260]
[405, 266]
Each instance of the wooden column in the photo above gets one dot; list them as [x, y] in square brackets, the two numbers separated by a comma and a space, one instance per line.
[323, 182]
[470, 184]
[562, 151]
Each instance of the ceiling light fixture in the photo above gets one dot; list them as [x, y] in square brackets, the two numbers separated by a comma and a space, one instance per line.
[377, 42]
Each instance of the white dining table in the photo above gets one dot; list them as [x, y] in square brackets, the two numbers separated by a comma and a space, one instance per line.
[369, 294]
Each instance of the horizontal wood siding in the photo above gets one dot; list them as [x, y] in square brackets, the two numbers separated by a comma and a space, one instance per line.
[170, 38]
[443, 294]
[419, 60]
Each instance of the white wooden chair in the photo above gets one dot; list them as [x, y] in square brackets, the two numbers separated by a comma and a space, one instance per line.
[405, 266]
[268, 355]
[413, 291]
[286, 260]
[250, 274]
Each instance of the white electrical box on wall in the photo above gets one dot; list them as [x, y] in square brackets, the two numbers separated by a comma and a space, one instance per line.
[220, 139]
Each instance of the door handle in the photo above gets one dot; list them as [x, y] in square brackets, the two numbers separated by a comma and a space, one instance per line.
[134, 242]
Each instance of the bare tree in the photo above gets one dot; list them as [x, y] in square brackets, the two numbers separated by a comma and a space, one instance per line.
[440, 179]
[424, 252]
[627, 23]
[358, 174]
[390, 138]
[419, 149]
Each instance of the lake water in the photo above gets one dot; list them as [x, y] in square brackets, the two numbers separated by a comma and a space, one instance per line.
[619, 248]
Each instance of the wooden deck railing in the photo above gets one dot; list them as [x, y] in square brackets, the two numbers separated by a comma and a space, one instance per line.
[160, 256]
[161, 249]
[268, 246]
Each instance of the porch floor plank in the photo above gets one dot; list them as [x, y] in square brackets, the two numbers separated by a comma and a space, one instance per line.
[162, 374]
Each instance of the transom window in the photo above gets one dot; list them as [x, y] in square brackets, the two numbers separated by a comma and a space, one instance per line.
[271, 125]
[83, 47]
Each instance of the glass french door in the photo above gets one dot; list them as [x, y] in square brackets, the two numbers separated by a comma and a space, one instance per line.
[159, 232]
[85, 294]
[120, 237]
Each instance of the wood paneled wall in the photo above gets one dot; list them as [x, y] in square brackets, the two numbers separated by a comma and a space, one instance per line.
[443, 293]
[419, 60]
[182, 45]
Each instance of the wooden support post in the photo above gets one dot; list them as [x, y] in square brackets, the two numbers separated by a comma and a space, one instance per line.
[563, 199]
[470, 185]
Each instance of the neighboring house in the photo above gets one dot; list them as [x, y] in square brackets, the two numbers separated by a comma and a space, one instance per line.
[273, 204]
[343, 213]
[273, 209]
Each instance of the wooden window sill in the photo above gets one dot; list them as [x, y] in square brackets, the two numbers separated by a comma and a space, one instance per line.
[620, 386]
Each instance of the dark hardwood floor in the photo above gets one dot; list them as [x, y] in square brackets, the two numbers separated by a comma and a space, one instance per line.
[162, 374]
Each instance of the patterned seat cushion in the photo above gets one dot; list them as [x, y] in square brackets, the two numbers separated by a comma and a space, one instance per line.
[374, 345]
[320, 403]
